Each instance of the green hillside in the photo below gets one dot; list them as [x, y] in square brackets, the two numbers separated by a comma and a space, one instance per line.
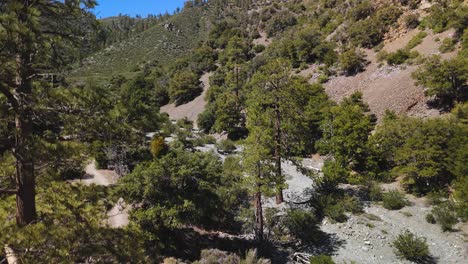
[163, 42]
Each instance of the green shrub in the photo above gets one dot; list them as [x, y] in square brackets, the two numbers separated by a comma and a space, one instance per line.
[212, 256]
[461, 197]
[321, 259]
[336, 213]
[259, 48]
[279, 22]
[448, 45]
[333, 174]
[412, 21]
[322, 79]
[416, 40]
[226, 146]
[387, 16]
[353, 205]
[412, 4]
[382, 55]
[398, 57]
[302, 224]
[362, 10]
[445, 215]
[437, 197]
[351, 62]
[394, 200]
[366, 33]
[411, 247]
[375, 192]
[430, 219]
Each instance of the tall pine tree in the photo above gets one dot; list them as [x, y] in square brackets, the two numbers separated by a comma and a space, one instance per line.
[30, 32]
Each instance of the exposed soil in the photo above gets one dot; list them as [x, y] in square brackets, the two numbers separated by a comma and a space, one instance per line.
[118, 215]
[192, 109]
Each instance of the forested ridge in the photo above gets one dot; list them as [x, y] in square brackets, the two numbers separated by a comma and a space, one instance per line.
[289, 159]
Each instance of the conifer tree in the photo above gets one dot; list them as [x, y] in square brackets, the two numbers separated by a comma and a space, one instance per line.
[291, 106]
[29, 31]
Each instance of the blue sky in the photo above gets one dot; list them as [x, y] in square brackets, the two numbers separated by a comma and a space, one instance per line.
[108, 8]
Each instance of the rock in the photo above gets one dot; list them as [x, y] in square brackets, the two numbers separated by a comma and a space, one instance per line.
[367, 242]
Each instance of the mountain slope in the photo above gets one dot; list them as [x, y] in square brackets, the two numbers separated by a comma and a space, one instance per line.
[163, 42]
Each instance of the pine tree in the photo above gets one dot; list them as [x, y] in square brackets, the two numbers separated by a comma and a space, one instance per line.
[291, 106]
[29, 31]
[258, 162]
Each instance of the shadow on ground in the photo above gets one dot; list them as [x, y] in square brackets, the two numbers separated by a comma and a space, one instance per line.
[193, 242]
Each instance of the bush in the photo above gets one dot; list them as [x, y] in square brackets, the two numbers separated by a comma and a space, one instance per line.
[226, 146]
[398, 57]
[321, 259]
[212, 256]
[302, 224]
[387, 16]
[259, 48]
[279, 22]
[351, 62]
[411, 247]
[412, 4]
[353, 205]
[448, 45]
[437, 197]
[394, 200]
[336, 213]
[375, 192]
[445, 216]
[322, 79]
[412, 21]
[366, 33]
[430, 219]
[333, 174]
[158, 146]
[416, 40]
[362, 11]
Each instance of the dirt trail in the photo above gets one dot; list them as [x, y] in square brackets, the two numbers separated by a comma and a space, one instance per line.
[98, 177]
[118, 215]
[192, 109]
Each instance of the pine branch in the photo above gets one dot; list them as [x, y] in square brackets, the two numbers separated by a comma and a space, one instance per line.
[8, 191]
[9, 96]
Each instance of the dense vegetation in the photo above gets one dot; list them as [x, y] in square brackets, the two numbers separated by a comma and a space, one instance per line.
[105, 108]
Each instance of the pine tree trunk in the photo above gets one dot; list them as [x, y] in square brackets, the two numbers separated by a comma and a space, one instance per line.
[25, 178]
[258, 217]
[279, 177]
[23, 149]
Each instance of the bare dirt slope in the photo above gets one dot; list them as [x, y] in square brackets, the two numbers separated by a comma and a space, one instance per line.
[390, 87]
[192, 109]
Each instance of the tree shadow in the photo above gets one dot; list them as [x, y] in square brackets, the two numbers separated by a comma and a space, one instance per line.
[326, 243]
[443, 106]
[426, 260]
[189, 244]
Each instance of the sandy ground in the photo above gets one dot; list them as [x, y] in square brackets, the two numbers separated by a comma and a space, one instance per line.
[370, 241]
[367, 238]
[192, 109]
[262, 40]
